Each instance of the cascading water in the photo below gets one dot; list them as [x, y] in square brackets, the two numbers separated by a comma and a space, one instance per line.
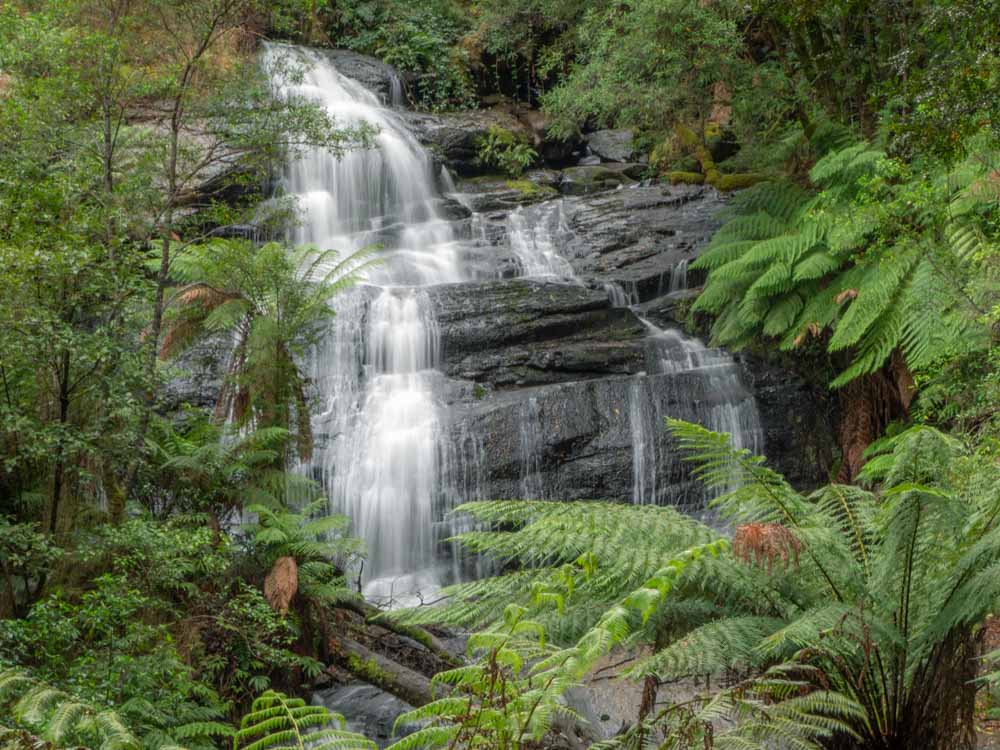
[381, 463]
[716, 399]
[679, 277]
[535, 235]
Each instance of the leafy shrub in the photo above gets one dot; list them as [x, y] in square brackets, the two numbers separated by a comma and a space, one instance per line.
[25, 558]
[504, 150]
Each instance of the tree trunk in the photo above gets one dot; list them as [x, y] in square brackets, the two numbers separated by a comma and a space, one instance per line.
[59, 466]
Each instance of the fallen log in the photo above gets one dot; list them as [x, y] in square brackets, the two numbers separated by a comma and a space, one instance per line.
[381, 671]
[425, 638]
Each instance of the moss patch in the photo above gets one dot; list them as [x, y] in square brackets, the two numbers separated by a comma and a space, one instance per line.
[529, 189]
[686, 178]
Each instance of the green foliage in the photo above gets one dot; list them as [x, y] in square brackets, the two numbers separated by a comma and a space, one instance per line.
[501, 702]
[60, 717]
[200, 467]
[277, 721]
[419, 39]
[851, 264]
[25, 558]
[92, 178]
[852, 610]
[506, 151]
[648, 64]
[317, 541]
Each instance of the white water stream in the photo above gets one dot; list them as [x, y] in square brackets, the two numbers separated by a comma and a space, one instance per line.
[377, 371]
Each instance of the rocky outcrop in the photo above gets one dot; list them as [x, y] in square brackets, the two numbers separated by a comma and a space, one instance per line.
[635, 236]
[521, 332]
[557, 380]
[592, 179]
[638, 236]
[612, 145]
[560, 409]
[798, 420]
[454, 137]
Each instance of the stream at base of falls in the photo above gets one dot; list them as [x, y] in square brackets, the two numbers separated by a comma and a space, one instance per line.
[408, 424]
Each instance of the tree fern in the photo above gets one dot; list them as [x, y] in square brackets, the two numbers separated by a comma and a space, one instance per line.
[61, 718]
[854, 261]
[278, 721]
[852, 611]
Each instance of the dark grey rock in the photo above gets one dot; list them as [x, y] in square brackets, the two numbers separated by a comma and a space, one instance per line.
[798, 419]
[198, 373]
[612, 145]
[370, 72]
[368, 711]
[493, 194]
[638, 235]
[454, 137]
[516, 333]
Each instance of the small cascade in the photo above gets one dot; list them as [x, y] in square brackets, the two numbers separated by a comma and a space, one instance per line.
[713, 396]
[397, 99]
[679, 277]
[531, 450]
[535, 235]
[622, 294]
[643, 444]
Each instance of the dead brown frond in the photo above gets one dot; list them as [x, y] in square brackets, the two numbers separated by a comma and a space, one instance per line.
[764, 543]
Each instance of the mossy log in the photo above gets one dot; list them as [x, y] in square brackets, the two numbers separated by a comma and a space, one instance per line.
[425, 638]
[686, 178]
[382, 672]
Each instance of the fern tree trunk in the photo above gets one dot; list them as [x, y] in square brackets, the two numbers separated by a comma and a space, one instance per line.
[867, 405]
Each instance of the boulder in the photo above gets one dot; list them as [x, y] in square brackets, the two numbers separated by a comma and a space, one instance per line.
[591, 179]
[612, 145]
[491, 194]
[638, 236]
[522, 332]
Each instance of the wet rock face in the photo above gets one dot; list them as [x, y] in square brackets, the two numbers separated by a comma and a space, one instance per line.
[368, 710]
[798, 419]
[370, 72]
[454, 136]
[553, 371]
[521, 332]
[634, 236]
[638, 236]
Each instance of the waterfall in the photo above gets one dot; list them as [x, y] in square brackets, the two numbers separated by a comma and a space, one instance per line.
[535, 235]
[622, 294]
[388, 454]
[679, 276]
[716, 399]
[381, 463]
[531, 450]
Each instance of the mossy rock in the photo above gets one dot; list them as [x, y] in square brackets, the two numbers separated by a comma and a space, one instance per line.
[686, 178]
[738, 181]
[532, 190]
[589, 179]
